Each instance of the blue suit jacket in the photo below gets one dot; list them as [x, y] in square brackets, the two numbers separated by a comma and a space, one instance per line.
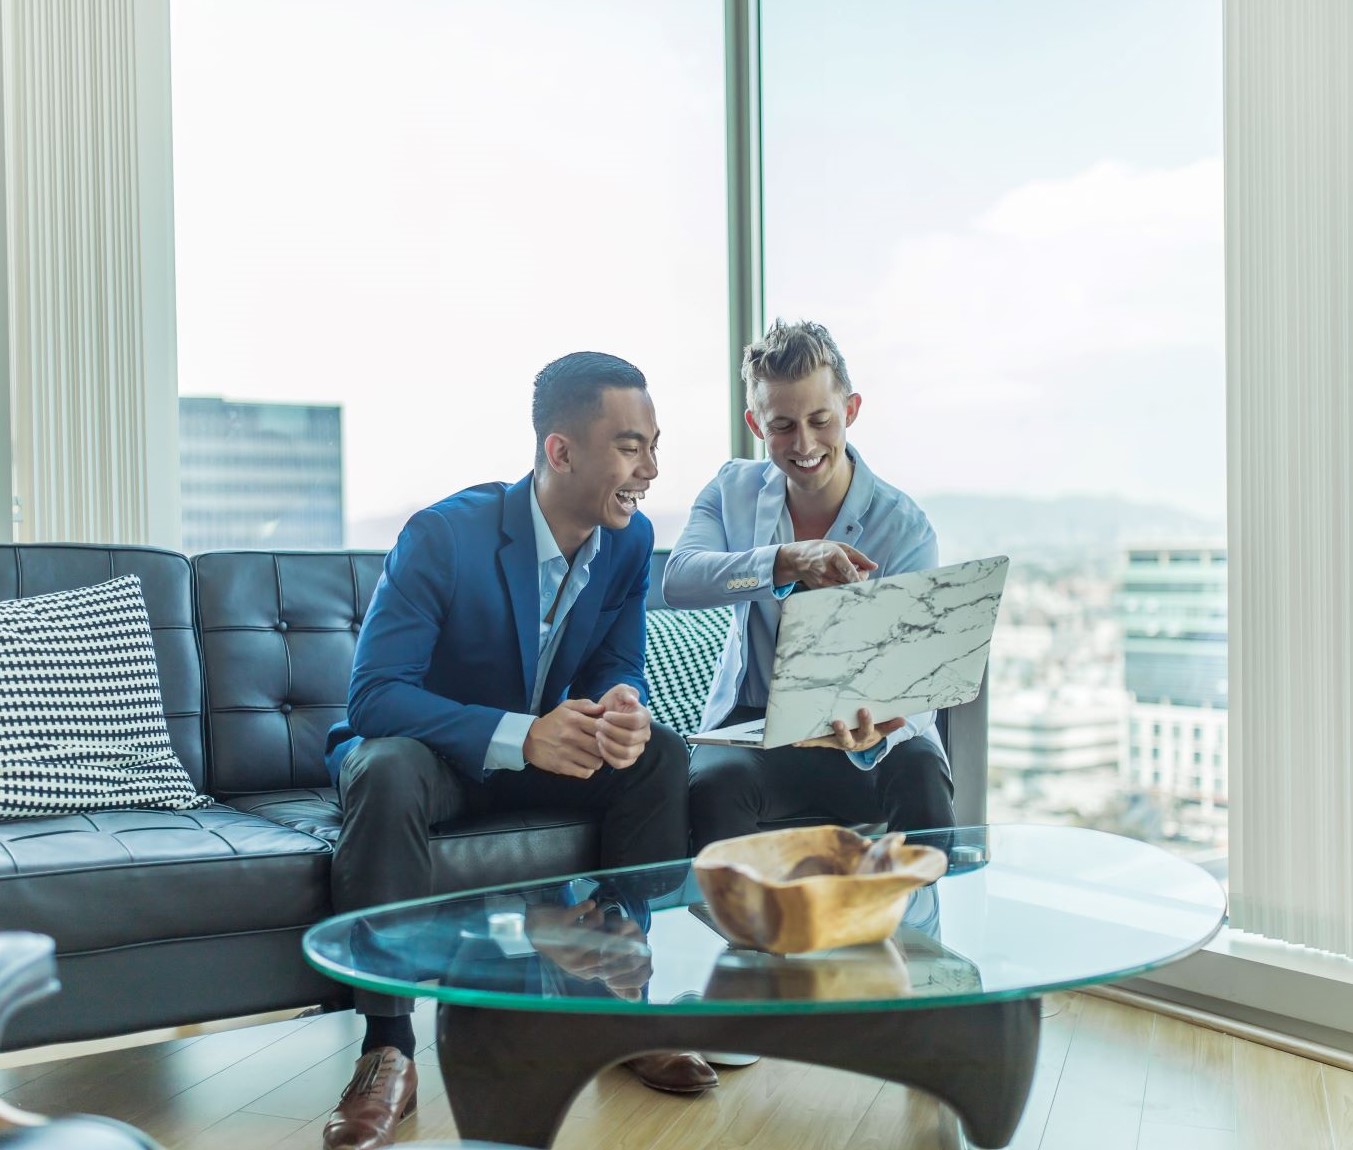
[451, 640]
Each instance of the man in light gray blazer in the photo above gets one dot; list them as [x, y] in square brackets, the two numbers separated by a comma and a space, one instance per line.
[812, 515]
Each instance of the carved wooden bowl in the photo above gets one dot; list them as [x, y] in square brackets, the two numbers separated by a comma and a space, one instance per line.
[812, 888]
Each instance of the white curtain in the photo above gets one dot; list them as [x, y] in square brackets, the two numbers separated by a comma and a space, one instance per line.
[1289, 314]
[89, 244]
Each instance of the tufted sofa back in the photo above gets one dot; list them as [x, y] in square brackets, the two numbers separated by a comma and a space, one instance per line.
[28, 569]
[265, 673]
[278, 631]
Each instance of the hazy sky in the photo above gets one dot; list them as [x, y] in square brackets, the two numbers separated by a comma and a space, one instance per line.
[1009, 212]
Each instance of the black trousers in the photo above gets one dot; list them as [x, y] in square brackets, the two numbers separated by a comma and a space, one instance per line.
[734, 789]
[394, 790]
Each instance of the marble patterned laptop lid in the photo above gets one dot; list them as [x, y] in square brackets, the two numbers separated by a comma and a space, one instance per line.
[898, 645]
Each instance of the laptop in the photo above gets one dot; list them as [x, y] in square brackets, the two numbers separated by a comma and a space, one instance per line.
[899, 645]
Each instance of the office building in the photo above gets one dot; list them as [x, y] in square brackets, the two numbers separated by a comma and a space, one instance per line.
[1173, 608]
[260, 474]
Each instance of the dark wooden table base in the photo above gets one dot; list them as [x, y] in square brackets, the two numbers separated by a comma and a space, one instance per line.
[511, 1075]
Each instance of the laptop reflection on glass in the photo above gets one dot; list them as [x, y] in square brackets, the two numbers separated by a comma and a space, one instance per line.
[898, 645]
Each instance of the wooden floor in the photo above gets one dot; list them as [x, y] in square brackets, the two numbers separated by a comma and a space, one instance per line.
[1109, 1078]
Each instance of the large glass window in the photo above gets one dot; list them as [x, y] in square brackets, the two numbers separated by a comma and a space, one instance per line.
[1010, 216]
[390, 214]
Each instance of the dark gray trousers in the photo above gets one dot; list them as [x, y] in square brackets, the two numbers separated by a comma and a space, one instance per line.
[735, 789]
[394, 790]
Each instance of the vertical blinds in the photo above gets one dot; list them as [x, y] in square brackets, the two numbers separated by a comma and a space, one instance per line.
[91, 269]
[1289, 304]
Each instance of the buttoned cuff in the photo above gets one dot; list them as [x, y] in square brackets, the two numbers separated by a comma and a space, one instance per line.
[755, 571]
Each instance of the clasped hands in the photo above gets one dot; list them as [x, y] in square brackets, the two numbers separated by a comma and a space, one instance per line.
[579, 736]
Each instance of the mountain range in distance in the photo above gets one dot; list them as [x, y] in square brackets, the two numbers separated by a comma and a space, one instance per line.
[1061, 529]
[1091, 529]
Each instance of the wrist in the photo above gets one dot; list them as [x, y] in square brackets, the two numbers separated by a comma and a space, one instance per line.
[870, 755]
[528, 743]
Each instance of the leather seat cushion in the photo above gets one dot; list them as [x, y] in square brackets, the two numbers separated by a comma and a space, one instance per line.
[474, 852]
[117, 878]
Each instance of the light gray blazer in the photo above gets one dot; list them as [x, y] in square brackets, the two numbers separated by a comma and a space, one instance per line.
[726, 555]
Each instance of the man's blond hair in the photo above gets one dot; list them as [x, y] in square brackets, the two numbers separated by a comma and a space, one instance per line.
[790, 351]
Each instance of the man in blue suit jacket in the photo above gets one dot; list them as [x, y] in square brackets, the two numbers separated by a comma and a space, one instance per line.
[813, 515]
[501, 667]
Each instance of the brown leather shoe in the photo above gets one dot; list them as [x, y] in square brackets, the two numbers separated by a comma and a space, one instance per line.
[678, 1073]
[383, 1090]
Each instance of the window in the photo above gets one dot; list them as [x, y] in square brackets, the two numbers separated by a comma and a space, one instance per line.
[1027, 287]
[403, 214]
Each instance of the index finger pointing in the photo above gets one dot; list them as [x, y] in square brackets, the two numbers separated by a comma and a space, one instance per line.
[858, 558]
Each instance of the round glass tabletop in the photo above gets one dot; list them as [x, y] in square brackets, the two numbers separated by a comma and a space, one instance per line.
[1022, 911]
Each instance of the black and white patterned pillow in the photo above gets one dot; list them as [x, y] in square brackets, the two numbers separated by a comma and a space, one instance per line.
[82, 723]
[683, 651]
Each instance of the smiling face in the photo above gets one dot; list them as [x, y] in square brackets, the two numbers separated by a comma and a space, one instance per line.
[803, 425]
[598, 474]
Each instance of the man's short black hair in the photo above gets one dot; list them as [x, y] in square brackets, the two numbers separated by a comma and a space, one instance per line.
[568, 392]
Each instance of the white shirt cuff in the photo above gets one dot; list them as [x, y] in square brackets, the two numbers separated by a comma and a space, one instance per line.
[505, 748]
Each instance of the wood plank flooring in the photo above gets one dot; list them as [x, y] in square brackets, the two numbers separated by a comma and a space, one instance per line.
[1109, 1076]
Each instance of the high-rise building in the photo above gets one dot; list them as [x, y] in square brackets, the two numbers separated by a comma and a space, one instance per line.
[1035, 733]
[1172, 604]
[260, 474]
[1053, 753]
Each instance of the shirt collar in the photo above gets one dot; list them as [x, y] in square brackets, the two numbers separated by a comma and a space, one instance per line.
[861, 491]
[546, 547]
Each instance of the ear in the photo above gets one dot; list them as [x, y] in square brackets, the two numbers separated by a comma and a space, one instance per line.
[752, 423]
[558, 452]
[852, 407]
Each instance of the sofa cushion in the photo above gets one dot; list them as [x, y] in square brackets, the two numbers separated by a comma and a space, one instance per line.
[118, 878]
[28, 569]
[82, 724]
[480, 851]
[683, 652]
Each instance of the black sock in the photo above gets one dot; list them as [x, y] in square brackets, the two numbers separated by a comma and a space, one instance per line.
[389, 1030]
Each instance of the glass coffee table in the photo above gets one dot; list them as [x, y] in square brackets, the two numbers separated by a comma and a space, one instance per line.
[542, 985]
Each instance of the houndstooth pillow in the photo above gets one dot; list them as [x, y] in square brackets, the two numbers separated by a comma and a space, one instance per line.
[82, 723]
[683, 650]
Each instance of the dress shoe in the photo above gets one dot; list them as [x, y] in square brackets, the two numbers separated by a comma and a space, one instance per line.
[685, 1073]
[383, 1090]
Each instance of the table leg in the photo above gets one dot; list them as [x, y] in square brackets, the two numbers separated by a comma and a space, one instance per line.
[512, 1075]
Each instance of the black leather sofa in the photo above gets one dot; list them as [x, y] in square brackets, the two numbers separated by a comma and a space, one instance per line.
[164, 918]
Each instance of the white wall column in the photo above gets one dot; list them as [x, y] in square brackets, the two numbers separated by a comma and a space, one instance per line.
[1289, 345]
[89, 242]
